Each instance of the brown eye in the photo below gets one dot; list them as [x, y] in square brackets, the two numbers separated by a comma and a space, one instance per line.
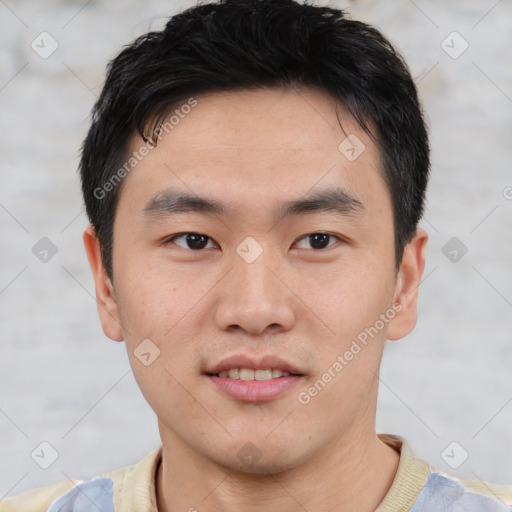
[319, 240]
[194, 241]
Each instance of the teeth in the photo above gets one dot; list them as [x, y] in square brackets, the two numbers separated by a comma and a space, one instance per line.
[248, 374]
[263, 374]
[233, 373]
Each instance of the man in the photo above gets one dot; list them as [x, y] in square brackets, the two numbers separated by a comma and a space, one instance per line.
[254, 176]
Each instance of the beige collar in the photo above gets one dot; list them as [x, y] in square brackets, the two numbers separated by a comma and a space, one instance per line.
[135, 491]
[411, 476]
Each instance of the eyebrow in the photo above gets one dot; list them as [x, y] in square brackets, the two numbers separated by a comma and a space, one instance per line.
[334, 199]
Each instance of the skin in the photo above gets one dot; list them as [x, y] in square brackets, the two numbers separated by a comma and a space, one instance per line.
[251, 151]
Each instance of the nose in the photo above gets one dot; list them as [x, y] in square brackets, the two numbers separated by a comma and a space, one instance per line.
[255, 298]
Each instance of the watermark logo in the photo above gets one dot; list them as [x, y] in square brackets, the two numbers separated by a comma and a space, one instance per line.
[249, 455]
[147, 352]
[44, 455]
[455, 455]
[249, 250]
[454, 249]
[137, 156]
[44, 250]
[351, 148]
[454, 45]
[44, 45]
[304, 397]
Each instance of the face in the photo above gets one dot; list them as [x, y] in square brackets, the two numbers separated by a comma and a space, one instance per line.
[285, 263]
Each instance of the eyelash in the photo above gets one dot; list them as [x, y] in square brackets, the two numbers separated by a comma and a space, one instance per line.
[180, 235]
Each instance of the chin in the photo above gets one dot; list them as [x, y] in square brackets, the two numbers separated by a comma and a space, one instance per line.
[251, 460]
[261, 467]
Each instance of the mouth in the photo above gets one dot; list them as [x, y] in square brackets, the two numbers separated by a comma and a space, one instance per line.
[249, 380]
[247, 374]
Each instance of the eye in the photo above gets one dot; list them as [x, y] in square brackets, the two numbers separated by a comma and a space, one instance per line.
[194, 241]
[198, 241]
[319, 240]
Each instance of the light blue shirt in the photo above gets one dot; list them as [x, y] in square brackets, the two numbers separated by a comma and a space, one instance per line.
[443, 494]
[89, 496]
[440, 494]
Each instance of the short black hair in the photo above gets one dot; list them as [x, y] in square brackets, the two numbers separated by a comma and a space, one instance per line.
[232, 45]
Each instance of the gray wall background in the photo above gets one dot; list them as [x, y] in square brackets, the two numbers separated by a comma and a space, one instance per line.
[63, 382]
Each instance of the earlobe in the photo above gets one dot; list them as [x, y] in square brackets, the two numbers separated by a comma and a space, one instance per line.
[105, 293]
[407, 284]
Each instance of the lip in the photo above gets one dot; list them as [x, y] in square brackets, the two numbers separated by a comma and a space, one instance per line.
[253, 363]
[255, 390]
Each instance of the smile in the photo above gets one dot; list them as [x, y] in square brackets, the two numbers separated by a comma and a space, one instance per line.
[249, 374]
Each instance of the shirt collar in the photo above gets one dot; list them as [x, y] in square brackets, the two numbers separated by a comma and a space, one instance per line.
[136, 492]
[410, 478]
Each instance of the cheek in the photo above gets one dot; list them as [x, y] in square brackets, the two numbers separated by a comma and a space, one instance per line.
[160, 384]
[154, 299]
[346, 296]
[162, 315]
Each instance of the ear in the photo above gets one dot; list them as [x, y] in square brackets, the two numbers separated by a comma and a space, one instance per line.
[407, 284]
[105, 294]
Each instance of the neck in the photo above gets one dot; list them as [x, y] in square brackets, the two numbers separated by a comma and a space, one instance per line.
[353, 474]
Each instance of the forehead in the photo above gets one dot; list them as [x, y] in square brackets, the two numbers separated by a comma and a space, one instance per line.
[255, 146]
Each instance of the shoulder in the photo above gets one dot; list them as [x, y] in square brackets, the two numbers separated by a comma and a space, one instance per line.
[500, 492]
[447, 492]
[37, 499]
[422, 487]
[83, 495]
